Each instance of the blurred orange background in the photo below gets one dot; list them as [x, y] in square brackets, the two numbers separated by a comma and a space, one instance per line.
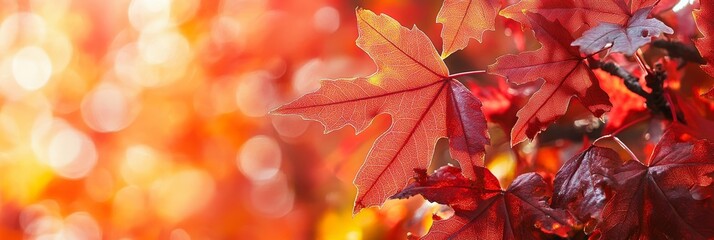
[148, 119]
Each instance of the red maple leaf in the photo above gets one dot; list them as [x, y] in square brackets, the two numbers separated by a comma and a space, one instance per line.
[565, 74]
[482, 210]
[704, 18]
[666, 197]
[464, 20]
[582, 183]
[412, 85]
[573, 14]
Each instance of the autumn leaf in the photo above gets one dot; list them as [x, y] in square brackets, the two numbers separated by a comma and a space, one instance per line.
[463, 20]
[638, 31]
[412, 85]
[705, 22]
[482, 210]
[582, 182]
[663, 198]
[573, 14]
[565, 75]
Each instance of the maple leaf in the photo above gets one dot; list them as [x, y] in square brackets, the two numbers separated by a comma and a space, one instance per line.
[582, 182]
[482, 210]
[573, 14]
[565, 75]
[638, 31]
[704, 19]
[661, 199]
[463, 20]
[412, 85]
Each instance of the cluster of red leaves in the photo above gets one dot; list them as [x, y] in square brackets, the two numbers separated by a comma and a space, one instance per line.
[595, 191]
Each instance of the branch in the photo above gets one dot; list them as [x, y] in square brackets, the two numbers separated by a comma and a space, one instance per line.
[631, 82]
[679, 50]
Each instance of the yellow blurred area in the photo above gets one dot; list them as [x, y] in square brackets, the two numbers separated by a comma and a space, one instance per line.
[148, 119]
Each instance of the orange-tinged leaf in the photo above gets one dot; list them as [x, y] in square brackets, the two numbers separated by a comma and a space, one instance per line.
[465, 19]
[412, 84]
[565, 75]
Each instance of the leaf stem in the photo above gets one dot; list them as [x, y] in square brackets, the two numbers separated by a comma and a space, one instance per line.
[464, 74]
[619, 142]
[598, 52]
[626, 126]
[619, 130]
[629, 151]
[642, 62]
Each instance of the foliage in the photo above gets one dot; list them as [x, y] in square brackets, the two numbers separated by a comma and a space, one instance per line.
[598, 52]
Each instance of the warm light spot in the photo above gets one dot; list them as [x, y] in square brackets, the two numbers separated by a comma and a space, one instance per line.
[31, 68]
[272, 198]
[681, 5]
[59, 49]
[503, 166]
[307, 78]
[225, 29]
[181, 194]
[326, 19]
[69, 152]
[161, 47]
[80, 225]
[108, 108]
[255, 94]
[72, 154]
[289, 125]
[141, 165]
[150, 15]
[64, 148]
[184, 10]
[22, 27]
[259, 158]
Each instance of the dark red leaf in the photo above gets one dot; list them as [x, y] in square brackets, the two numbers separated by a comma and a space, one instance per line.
[482, 210]
[664, 198]
[582, 183]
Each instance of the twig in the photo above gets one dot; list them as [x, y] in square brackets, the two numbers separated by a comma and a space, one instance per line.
[631, 82]
[469, 73]
[619, 142]
[641, 61]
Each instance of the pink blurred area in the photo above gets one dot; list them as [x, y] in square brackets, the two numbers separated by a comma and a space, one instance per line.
[148, 119]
